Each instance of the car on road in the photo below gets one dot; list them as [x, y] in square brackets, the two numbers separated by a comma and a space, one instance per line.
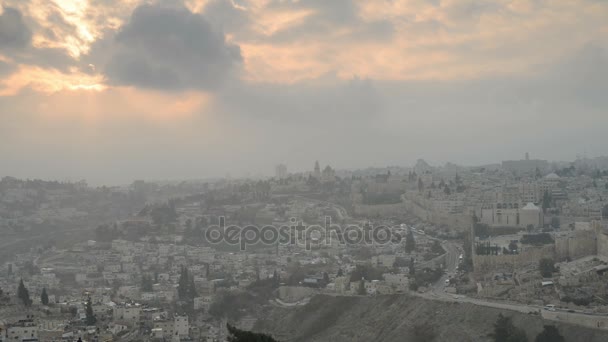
[550, 307]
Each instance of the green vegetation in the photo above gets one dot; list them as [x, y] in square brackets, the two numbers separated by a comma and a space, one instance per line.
[423, 333]
[410, 242]
[146, 283]
[425, 277]
[486, 248]
[186, 290]
[546, 267]
[237, 335]
[366, 272]
[44, 297]
[505, 331]
[537, 239]
[550, 334]
[90, 318]
[23, 294]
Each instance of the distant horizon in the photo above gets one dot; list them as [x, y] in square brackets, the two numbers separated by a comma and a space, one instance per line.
[270, 173]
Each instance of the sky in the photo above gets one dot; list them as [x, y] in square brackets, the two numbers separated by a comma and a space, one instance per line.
[111, 91]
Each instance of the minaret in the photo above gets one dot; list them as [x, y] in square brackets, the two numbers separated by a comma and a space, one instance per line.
[317, 173]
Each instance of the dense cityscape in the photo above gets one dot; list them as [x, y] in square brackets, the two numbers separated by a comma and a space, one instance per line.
[523, 237]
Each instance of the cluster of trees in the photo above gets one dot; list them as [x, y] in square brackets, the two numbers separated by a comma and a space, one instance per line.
[367, 272]
[147, 283]
[546, 266]
[423, 333]
[481, 230]
[537, 239]
[186, 290]
[436, 248]
[237, 335]
[485, 248]
[424, 277]
[506, 331]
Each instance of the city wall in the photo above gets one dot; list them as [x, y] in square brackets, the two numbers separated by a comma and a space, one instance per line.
[458, 222]
[528, 255]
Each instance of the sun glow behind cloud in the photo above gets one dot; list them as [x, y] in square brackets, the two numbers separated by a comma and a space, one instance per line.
[49, 81]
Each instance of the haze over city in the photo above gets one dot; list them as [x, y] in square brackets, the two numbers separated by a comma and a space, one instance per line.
[303, 170]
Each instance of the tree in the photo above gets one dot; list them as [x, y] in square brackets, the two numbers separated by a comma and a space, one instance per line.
[550, 334]
[23, 294]
[420, 185]
[513, 246]
[146, 284]
[412, 267]
[546, 200]
[361, 290]
[447, 190]
[436, 247]
[410, 243]
[340, 273]
[555, 222]
[505, 331]
[276, 279]
[423, 333]
[183, 287]
[546, 267]
[237, 335]
[44, 297]
[90, 318]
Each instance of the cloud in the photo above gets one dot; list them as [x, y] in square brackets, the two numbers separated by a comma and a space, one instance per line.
[14, 33]
[340, 19]
[170, 48]
[6, 68]
[225, 16]
[324, 100]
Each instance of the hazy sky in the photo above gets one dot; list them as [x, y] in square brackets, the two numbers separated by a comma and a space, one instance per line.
[112, 90]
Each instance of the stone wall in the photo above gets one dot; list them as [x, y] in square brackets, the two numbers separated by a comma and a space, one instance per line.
[425, 212]
[529, 255]
[575, 245]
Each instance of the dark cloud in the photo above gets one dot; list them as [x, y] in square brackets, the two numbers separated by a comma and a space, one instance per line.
[170, 48]
[225, 16]
[14, 33]
[15, 42]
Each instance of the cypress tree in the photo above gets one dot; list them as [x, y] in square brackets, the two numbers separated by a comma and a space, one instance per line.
[24, 294]
[44, 297]
[90, 316]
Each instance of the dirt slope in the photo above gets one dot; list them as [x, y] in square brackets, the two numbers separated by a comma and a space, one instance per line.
[391, 318]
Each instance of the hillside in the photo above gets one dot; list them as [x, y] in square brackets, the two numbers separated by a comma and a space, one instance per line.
[392, 318]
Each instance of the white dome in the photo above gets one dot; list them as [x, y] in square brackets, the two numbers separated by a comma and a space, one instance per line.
[530, 206]
[552, 175]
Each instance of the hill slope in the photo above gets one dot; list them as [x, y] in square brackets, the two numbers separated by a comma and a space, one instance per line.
[392, 318]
